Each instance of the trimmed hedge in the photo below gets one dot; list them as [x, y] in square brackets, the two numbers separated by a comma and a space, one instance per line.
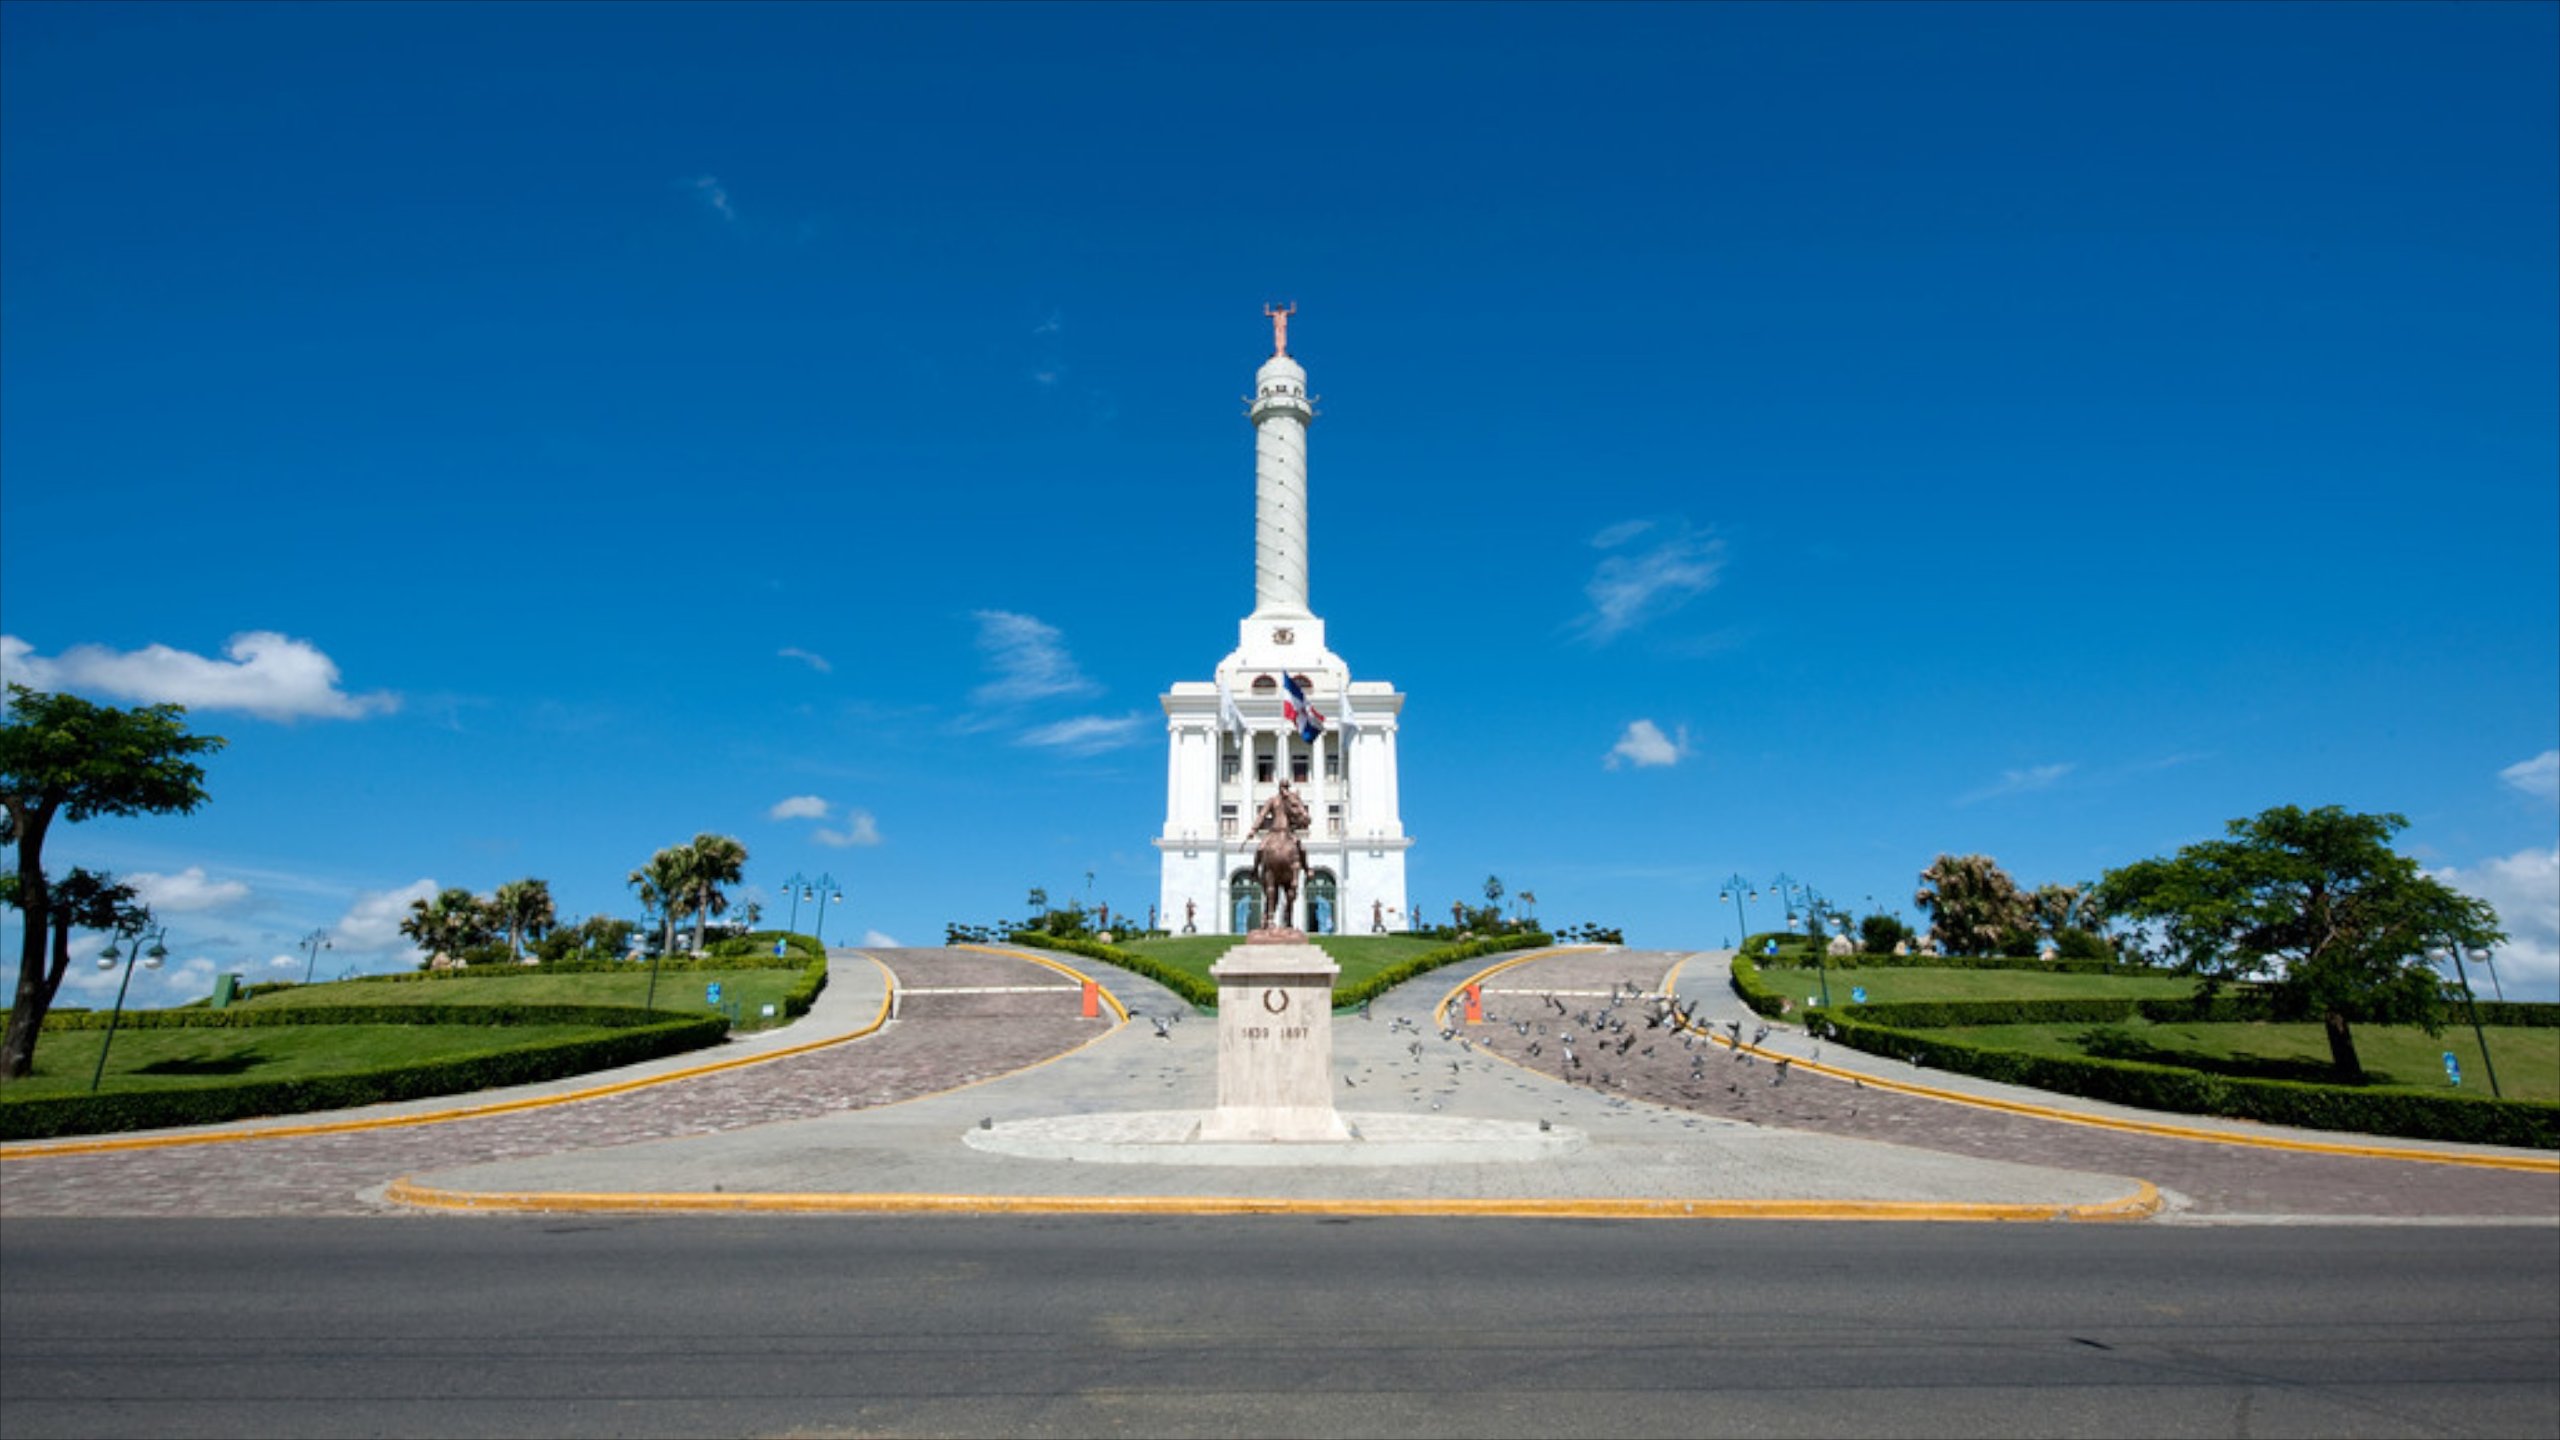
[615, 1016]
[672, 965]
[1204, 992]
[1403, 970]
[1900, 1031]
[1797, 946]
[2533, 1124]
[1198, 991]
[46, 1116]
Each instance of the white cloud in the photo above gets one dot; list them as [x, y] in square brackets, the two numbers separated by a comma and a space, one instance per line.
[709, 190]
[878, 940]
[1632, 586]
[1086, 734]
[272, 676]
[1028, 660]
[809, 658]
[287, 962]
[2539, 776]
[1644, 745]
[2525, 889]
[859, 829]
[371, 926]
[2019, 782]
[188, 890]
[798, 807]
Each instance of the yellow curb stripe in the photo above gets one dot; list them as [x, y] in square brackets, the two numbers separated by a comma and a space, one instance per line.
[42, 1149]
[1440, 1012]
[2142, 1203]
[2535, 1164]
[1067, 970]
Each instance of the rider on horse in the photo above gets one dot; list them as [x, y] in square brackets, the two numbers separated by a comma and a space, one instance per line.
[1282, 858]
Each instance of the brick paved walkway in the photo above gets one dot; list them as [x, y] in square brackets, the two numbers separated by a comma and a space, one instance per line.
[938, 1043]
[2215, 1179]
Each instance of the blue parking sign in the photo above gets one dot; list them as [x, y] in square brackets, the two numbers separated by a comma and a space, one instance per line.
[711, 993]
[1857, 994]
[2452, 1068]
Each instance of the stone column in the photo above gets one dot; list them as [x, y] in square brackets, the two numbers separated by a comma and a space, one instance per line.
[1281, 411]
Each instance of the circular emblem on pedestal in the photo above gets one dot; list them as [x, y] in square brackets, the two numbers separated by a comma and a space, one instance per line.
[1275, 1000]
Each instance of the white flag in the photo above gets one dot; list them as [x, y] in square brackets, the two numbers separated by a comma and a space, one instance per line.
[1228, 715]
[1349, 719]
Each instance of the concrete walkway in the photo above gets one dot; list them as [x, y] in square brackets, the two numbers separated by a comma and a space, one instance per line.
[1606, 1155]
[850, 1110]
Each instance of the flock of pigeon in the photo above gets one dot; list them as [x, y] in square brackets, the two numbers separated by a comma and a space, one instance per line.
[1634, 1044]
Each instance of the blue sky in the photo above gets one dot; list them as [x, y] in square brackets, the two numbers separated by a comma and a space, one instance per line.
[533, 435]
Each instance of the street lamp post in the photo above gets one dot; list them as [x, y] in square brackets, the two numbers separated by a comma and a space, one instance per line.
[1785, 885]
[823, 890]
[2454, 950]
[313, 944]
[133, 933]
[1735, 887]
[797, 883]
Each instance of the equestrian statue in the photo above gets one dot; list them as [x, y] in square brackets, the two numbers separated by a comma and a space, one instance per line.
[1280, 863]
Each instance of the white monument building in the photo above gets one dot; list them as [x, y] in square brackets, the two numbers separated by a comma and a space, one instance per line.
[1232, 740]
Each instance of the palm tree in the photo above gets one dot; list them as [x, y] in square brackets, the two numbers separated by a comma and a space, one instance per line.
[717, 860]
[447, 924]
[523, 909]
[666, 886]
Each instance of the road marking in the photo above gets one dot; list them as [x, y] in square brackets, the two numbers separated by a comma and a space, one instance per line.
[2140, 1204]
[44, 1148]
[2532, 1163]
[915, 990]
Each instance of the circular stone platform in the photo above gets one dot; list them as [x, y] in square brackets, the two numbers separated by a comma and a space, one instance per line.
[1164, 1137]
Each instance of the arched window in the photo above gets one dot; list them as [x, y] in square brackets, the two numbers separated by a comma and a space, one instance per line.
[1244, 902]
[1322, 914]
[1264, 684]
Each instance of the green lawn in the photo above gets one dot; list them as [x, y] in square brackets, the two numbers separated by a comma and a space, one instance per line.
[2397, 1057]
[679, 992]
[1887, 984]
[170, 1059]
[1360, 956]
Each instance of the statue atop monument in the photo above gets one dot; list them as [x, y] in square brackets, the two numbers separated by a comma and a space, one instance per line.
[1280, 327]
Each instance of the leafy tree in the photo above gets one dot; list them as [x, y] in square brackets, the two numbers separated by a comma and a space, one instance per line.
[1878, 934]
[666, 886]
[2317, 903]
[716, 860]
[63, 758]
[1039, 902]
[1974, 908]
[450, 923]
[1493, 890]
[523, 909]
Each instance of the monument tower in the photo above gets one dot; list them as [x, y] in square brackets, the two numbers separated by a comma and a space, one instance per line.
[1233, 740]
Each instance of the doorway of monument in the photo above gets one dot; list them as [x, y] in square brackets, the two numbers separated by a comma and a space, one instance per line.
[1321, 919]
[1244, 903]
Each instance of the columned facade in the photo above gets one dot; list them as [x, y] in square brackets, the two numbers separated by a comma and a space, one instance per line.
[1230, 744]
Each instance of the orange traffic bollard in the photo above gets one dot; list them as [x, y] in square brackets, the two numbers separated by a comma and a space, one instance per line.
[1475, 1004]
[1092, 999]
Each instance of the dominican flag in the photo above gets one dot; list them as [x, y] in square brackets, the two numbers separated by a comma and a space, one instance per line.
[1298, 712]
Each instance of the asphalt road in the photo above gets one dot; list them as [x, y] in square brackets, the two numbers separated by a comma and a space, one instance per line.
[1265, 1327]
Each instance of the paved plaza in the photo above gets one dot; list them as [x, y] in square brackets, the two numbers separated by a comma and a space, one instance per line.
[915, 1080]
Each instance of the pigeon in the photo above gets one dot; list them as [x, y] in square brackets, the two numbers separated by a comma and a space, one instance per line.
[1346, 1083]
[1781, 1077]
[1760, 1033]
[1164, 1027]
[1364, 1009]
[1537, 1049]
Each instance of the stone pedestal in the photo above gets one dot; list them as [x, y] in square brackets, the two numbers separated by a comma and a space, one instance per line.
[1275, 1046]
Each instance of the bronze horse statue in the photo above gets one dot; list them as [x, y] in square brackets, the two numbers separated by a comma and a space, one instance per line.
[1280, 862]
